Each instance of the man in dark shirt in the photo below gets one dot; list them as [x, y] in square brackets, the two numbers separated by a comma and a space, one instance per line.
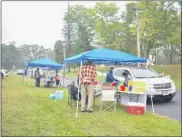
[109, 76]
[37, 78]
[74, 91]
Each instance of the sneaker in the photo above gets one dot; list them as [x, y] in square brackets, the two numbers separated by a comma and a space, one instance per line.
[89, 111]
[82, 110]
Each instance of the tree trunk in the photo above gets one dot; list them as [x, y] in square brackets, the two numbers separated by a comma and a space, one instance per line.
[146, 49]
[171, 55]
[156, 57]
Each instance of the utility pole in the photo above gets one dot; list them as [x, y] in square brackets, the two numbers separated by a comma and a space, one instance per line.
[138, 34]
[64, 66]
[138, 29]
[156, 56]
[64, 52]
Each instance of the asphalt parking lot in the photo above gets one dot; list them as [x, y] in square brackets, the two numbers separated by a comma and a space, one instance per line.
[171, 109]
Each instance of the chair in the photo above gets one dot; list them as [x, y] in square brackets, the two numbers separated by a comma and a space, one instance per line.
[97, 92]
[108, 95]
[70, 97]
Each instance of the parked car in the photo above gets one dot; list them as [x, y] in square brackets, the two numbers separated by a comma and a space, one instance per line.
[161, 87]
[4, 73]
[20, 72]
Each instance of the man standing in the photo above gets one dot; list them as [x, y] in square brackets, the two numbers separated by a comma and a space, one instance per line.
[87, 75]
[109, 76]
[26, 75]
[37, 78]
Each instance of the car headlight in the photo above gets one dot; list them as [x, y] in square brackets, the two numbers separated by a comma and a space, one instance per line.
[173, 84]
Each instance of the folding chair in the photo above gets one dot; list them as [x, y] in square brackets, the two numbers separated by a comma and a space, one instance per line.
[108, 96]
[70, 98]
[97, 92]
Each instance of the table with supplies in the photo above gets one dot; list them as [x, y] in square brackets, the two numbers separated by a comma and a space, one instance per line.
[133, 97]
[135, 92]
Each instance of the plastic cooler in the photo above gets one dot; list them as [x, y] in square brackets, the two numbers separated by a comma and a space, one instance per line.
[59, 94]
[135, 108]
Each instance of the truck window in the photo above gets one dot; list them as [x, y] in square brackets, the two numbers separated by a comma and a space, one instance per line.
[118, 72]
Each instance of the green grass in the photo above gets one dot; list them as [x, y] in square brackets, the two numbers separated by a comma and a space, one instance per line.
[173, 70]
[27, 111]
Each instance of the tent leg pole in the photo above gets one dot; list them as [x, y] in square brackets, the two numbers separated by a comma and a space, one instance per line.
[151, 98]
[26, 78]
[23, 80]
[152, 104]
[78, 90]
[63, 75]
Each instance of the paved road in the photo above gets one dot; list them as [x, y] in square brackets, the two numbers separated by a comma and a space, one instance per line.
[171, 109]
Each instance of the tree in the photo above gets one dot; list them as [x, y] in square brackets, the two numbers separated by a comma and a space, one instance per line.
[108, 25]
[103, 26]
[68, 32]
[153, 21]
[128, 40]
[50, 53]
[58, 49]
[171, 35]
[9, 55]
[80, 25]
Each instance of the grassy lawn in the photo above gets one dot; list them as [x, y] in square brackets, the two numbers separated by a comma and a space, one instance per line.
[27, 111]
[173, 70]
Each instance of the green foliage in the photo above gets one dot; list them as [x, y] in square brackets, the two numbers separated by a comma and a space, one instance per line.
[108, 27]
[58, 49]
[105, 26]
[18, 56]
[9, 55]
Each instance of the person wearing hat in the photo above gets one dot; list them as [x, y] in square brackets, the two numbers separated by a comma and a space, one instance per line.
[109, 76]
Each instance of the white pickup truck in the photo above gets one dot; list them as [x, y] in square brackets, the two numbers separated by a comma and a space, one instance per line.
[159, 87]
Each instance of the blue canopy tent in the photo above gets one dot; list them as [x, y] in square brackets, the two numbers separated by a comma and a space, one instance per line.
[104, 56]
[44, 62]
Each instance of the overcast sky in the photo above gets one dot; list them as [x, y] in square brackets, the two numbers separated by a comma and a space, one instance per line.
[36, 22]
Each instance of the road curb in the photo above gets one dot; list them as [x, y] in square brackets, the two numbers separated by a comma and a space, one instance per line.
[163, 116]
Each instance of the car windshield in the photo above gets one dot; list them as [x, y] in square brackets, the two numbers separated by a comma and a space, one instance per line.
[144, 73]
